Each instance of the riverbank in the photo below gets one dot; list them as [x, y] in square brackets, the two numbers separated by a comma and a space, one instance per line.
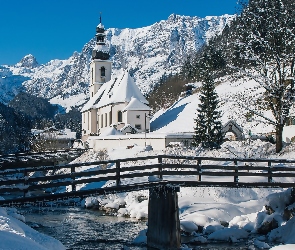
[207, 215]
[205, 211]
[16, 235]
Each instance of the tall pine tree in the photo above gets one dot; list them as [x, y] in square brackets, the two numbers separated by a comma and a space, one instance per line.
[208, 129]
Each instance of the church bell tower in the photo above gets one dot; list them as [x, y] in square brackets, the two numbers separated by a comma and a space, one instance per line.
[100, 66]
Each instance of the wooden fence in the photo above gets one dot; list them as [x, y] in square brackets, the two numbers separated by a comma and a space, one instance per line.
[174, 170]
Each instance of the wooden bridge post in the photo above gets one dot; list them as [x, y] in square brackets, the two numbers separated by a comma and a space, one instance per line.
[236, 177]
[269, 172]
[118, 181]
[163, 218]
[199, 168]
[73, 170]
[160, 161]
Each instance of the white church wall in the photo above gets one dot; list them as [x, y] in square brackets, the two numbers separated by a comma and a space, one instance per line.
[88, 122]
[136, 118]
[157, 141]
[105, 113]
[96, 66]
[85, 122]
[108, 116]
[111, 143]
[116, 108]
[93, 121]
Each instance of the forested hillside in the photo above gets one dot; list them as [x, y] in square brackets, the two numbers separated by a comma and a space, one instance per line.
[259, 45]
[15, 130]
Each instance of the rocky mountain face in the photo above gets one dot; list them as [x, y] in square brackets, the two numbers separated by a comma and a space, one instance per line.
[149, 53]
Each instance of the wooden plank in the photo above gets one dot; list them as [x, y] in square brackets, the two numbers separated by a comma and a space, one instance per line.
[142, 167]
[19, 170]
[60, 176]
[142, 174]
[180, 173]
[22, 165]
[131, 175]
[82, 193]
[41, 186]
[228, 159]
[232, 184]
[142, 186]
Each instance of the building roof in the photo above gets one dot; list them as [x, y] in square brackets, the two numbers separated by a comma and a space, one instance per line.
[110, 131]
[118, 90]
[135, 104]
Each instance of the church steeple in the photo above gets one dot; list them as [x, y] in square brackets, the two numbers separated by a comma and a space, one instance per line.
[100, 66]
[100, 50]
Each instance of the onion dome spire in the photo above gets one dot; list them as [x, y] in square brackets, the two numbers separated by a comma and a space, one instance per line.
[100, 51]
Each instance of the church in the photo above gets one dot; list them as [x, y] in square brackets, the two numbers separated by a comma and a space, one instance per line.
[116, 103]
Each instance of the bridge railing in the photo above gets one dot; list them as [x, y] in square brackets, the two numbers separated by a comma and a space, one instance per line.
[35, 158]
[178, 170]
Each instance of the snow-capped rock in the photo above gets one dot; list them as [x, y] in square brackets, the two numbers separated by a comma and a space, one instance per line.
[149, 53]
[29, 61]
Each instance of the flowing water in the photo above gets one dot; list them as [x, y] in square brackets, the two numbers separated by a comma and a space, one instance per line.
[78, 228]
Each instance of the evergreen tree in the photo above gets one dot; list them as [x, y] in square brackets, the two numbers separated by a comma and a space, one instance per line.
[208, 129]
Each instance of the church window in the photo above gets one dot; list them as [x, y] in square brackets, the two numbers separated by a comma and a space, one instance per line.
[119, 116]
[92, 75]
[106, 120]
[138, 126]
[101, 124]
[102, 71]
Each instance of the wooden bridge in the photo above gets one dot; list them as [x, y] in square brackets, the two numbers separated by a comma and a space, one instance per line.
[19, 176]
[164, 173]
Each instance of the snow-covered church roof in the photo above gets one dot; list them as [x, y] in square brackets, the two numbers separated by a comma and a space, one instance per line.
[135, 104]
[118, 90]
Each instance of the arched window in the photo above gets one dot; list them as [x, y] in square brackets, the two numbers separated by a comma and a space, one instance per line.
[119, 116]
[102, 71]
[92, 75]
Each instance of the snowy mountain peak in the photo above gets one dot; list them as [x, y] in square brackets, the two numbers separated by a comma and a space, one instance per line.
[149, 53]
[29, 61]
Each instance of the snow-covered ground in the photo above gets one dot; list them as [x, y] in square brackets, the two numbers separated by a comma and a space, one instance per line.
[16, 235]
[243, 209]
[234, 99]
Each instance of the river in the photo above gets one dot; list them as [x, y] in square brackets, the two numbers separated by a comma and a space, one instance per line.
[78, 228]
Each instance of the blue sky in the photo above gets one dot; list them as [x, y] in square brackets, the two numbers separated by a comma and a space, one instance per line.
[54, 29]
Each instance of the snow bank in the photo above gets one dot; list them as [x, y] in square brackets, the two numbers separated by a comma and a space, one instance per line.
[229, 234]
[285, 233]
[15, 235]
